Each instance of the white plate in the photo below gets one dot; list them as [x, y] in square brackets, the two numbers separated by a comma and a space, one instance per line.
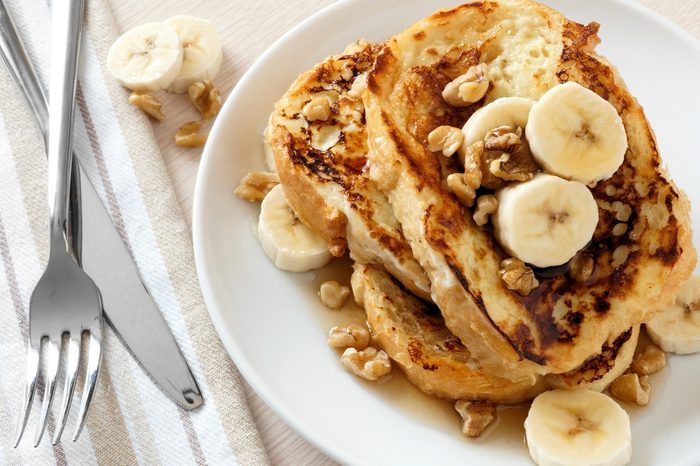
[272, 324]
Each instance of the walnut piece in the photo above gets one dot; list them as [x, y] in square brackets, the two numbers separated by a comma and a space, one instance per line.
[622, 211]
[485, 206]
[317, 109]
[148, 104]
[508, 170]
[581, 267]
[619, 256]
[188, 136]
[255, 185]
[350, 336]
[333, 294]
[619, 229]
[631, 388]
[507, 157]
[446, 139]
[464, 192]
[473, 161]
[467, 88]
[370, 363]
[358, 86]
[504, 139]
[638, 229]
[657, 215]
[518, 276]
[206, 98]
[642, 188]
[477, 416]
[652, 359]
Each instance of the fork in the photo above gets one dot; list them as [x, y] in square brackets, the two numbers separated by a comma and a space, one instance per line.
[65, 301]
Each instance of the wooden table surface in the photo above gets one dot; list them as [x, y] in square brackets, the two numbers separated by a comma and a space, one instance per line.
[247, 28]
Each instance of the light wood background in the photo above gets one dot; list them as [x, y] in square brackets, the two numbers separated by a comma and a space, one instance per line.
[247, 28]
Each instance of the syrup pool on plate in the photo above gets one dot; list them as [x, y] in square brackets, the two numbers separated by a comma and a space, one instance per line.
[395, 390]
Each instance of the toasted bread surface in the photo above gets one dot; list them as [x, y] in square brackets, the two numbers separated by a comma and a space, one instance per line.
[528, 48]
[321, 164]
[413, 333]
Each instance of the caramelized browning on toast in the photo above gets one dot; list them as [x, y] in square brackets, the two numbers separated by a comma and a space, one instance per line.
[527, 48]
[413, 333]
[318, 136]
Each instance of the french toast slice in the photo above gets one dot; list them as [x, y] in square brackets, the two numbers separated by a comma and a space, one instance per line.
[413, 333]
[321, 166]
[527, 48]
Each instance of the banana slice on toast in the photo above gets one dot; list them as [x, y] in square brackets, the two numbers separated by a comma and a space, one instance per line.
[527, 49]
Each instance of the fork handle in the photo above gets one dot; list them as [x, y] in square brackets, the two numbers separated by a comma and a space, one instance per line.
[15, 57]
[66, 31]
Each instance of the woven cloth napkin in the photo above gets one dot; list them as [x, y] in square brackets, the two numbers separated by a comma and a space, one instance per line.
[131, 421]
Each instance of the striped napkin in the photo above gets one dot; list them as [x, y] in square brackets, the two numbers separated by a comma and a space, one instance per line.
[131, 421]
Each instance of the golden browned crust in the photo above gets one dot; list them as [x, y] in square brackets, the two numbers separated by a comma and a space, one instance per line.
[308, 204]
[562, 323]
[413, 333]
[328, 187]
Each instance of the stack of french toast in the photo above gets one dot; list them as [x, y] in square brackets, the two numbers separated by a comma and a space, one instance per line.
[500, 192]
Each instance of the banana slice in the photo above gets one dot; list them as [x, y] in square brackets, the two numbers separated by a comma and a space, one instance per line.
[506, 111]
[577, 428]
[289, 244]
[202, 48]
[545, 221]
[576, 134]
[146, 58]
[677, 329]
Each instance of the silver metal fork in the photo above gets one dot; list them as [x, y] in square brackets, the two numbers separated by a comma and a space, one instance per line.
[65, 301]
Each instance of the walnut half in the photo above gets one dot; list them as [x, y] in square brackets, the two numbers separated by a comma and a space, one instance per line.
[465, 193]
[631, 388]
[477, 416]
[467, 88]
[370, 363]
[350, 336]
[485, 206]
[473, 164]
[206, 98]
[508, 156]
[506, 168]
[446, 139]
[255, 185]
[188, 135]
[518, 277]
[148, 104]
[652, 359]
[317, 109]
[504, 139]
[333, 294]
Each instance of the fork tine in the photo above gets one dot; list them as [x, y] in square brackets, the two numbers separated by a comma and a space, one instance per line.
[94, 356]
[32, 374]
[53, 357]
[68, 386]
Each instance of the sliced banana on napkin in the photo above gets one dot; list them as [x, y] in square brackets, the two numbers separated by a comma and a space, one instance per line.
[202, 51]
[577, 428]
[289, 244]
[545, 221]
[146, 58]
[677, 329]
[576, 134]
[170, 55]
